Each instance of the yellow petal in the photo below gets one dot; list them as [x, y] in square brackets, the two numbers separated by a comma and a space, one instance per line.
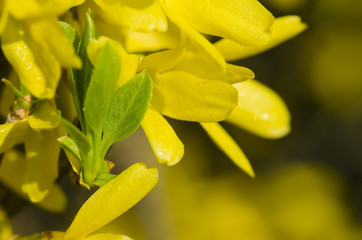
[112, 200]
[200, 44]
[21, 9]
[150, 41]
[142, 16]
[244, 21]
[165, 144]
[164, 60]
[49, 31]
[186, 97]
[38, 70]
[283, 29]
[108, 236]
[42, 118]
[196, 65]
[129, 61]
[12, 171]
[6, 230]
[227, 144]
[260, 110]
[41, 167]
[4, 15]
[12, 134]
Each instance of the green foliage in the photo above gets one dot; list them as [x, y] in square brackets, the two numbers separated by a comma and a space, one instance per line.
[106, 114]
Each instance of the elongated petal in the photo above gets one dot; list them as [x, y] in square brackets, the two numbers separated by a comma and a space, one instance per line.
[260, 110]
[108, 236]
[112, 200]
[41, 167]
[200, 44]
[244, 21]
[6, 230]
[283, 29]
[43, 118]
[12, 134]
[49, 31]
[141, 16]
[225, 142]
[165, 144]
[12, 172]
[150, 41]
[186, 97]
[196, 65]
[4, 15]
[164, 60]
[38, 71]
[129, 62]
[21, 9]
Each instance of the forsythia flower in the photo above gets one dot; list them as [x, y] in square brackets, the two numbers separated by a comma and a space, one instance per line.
[107, 203]
[33, 174]
[34, 43]
[192, 81]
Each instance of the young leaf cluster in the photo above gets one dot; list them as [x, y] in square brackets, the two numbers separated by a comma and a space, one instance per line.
[107, 114]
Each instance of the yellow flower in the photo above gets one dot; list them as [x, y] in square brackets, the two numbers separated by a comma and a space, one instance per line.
[35, 45]
[32, 175]
[109, 202]
[192, 81]
[5, 227]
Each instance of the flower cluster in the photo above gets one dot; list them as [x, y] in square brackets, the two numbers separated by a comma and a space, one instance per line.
[130, 63]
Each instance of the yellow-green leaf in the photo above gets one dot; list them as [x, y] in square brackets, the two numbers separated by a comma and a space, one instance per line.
[225, 142]
[129, 61]
[183, 96]
[260, 110]
[112, 200]
[165, 144]
[43, 117]
[283, 29]
[12, 134]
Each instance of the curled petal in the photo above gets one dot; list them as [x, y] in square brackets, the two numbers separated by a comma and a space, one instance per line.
[55, 41]
[186, 97]
[112, 200]
[141, 16]
[38, 70]
[260, 110]
[283, 29]
[164, 142]
[22, 9]
[129, 61]
[41, 167]
[244, 21]
[42, 118]
[12, 134]
[225, 142]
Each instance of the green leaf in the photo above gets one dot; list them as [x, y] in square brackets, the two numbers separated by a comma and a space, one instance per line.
[79, 138]
[101, 89]
[69, 145]
[127, 109]
[70, 32]
[83, 76]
